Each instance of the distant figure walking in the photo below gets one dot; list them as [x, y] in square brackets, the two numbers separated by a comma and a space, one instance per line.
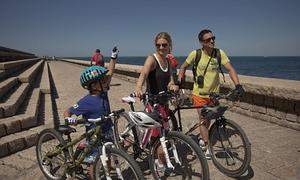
[97, 59]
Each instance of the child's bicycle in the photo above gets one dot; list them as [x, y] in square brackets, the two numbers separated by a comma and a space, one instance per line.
[228, 144]
[183, 158]
[57, 159]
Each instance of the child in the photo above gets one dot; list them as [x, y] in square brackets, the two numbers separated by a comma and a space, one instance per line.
[96, 80]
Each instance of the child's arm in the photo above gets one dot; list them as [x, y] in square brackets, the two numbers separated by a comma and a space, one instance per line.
[113, 60]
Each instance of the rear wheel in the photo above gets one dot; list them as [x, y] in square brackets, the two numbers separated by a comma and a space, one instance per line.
[230, 148]
[120, 166]
[191, 165]
[53, 166]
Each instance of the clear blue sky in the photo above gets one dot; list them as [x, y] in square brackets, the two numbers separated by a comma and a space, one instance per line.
[78, 27]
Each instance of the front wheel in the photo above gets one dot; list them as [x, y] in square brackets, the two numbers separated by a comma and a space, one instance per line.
[53, 165]
[120, 166]
[229, 147]
[185, 155]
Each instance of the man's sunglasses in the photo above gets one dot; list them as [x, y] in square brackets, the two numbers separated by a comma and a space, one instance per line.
[164, 45]
[209, 39]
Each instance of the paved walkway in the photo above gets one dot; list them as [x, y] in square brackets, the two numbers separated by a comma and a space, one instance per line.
[275, 149]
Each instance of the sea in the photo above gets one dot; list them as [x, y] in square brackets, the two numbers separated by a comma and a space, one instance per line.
[282, 67]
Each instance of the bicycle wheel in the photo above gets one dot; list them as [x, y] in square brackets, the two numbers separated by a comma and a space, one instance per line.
[230, 148]
[126, 142]
[120, 165]
[191, 165]
[53, 167]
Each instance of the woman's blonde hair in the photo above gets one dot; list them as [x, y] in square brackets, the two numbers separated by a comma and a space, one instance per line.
[166, 36]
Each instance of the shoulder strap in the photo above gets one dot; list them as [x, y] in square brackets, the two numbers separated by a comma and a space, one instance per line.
[218, 56]
[196, 62]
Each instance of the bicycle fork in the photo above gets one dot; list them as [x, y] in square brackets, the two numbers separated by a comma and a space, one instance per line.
[105, 160]
[163, 142]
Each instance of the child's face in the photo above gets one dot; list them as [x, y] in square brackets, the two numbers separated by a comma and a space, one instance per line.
[104, 83]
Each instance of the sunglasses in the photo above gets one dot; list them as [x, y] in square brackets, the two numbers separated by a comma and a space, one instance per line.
[209, 39]
[164, 45]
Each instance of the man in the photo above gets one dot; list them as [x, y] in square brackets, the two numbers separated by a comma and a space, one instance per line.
[97, 59]
[206, 78]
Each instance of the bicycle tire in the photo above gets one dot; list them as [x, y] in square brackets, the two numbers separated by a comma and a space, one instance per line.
[189, 142]
[136, 171]
[247, 150]
[45, 136]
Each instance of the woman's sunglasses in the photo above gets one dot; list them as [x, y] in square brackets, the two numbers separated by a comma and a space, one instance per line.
[164, 45]
[209, 39]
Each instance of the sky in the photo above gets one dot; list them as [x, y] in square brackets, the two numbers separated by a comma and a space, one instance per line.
[75, 28]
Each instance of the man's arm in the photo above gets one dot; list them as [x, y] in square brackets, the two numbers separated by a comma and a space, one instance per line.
[182, 70]
[232, 73]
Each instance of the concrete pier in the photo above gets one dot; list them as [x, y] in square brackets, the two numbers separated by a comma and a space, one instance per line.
[275, 148]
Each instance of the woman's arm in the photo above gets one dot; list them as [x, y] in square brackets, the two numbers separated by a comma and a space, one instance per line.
[147, 68]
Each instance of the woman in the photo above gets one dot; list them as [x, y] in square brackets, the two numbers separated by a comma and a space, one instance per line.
[157, 70]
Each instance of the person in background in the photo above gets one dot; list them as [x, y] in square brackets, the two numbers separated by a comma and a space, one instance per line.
[206, 80]
[97, 59]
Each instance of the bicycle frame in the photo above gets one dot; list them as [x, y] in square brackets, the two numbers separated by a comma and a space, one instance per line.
[162, 139]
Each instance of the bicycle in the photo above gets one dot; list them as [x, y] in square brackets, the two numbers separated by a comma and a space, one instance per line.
[183, 157]
[58, 160]
[226, 137]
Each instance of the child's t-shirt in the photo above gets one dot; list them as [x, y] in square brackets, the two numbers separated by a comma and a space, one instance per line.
[92, 107]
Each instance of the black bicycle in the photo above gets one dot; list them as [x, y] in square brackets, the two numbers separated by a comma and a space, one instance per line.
[58, 158]
[228, 144]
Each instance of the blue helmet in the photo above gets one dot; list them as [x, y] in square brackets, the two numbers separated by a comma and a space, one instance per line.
[90, 74]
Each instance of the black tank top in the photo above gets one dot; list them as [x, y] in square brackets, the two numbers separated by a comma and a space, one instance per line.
[158, 79]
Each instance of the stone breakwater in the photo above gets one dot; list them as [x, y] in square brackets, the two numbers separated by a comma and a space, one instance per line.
[267, 99]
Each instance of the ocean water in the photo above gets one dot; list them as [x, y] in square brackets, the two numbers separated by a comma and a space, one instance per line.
[281, 67]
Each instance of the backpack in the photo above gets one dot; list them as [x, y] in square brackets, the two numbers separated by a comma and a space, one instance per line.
[216, 53]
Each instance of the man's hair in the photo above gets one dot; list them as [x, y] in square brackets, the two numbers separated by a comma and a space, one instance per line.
[201, 34]
[97, 50]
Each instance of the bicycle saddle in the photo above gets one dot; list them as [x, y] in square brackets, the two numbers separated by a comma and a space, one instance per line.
[65, 129]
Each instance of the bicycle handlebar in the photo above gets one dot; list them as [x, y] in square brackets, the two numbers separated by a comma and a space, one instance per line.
[100, 119]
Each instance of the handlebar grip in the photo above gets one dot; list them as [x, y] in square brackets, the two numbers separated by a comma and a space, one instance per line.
[117, 112]
[81, 121]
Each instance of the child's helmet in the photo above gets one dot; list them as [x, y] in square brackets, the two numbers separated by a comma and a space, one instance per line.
[91, 74]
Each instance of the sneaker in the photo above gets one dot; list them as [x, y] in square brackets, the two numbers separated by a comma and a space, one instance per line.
[202, 145]
[161, 168]
[207, 155]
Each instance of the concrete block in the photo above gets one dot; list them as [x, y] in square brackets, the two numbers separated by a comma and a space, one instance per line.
[12, 126]
[297, 107]
[260, 109]
[291, 117]
[31, 140]
[258, 99]
[2, 130]
[16, 145]
[261, 116]
[278, 121]
[45, 82]
[280, 114]
[4, 151]
[26, 77]
[269, 101]
[245, 105]
[281, 104]
[28, 122]
[271, 111]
